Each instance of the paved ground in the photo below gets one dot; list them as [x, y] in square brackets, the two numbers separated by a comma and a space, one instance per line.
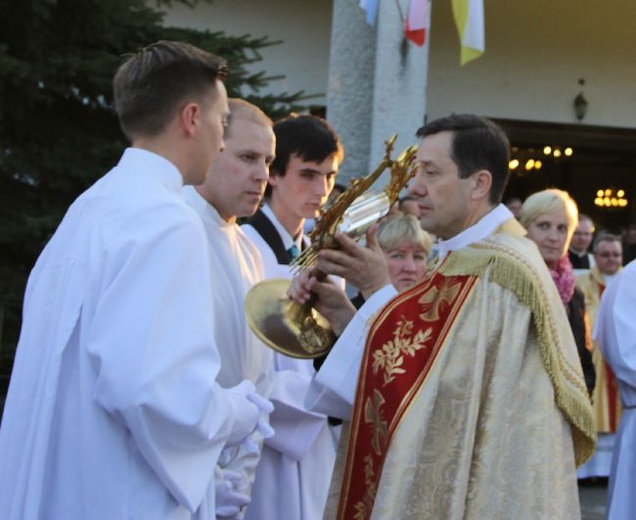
[593, 499]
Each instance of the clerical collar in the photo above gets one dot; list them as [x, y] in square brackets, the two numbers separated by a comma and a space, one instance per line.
[288, 240]
[484, 227]
[576, 253]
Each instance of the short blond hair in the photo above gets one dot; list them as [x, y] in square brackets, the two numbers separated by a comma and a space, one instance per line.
[241, 109]
[548, 201]
[399, 230]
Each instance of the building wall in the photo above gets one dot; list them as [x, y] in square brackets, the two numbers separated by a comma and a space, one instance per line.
[536, 52]
[304, 26]
[376, 88]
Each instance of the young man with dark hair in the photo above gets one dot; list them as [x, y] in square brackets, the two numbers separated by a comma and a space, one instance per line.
[297, 462]
[114, 411]
[308, 155]
[465, 393]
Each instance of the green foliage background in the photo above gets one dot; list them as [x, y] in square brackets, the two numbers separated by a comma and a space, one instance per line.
[58, 133]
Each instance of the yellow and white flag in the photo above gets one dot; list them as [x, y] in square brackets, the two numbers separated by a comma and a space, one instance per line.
[469, 18]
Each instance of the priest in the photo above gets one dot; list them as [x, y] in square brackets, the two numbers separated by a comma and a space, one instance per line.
[465, 394]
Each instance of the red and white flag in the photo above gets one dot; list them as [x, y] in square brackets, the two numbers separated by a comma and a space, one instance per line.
[417, 21]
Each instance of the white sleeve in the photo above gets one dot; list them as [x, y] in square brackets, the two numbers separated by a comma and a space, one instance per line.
[153, 349]
[333, 389]
[296, 427]
[616, 330]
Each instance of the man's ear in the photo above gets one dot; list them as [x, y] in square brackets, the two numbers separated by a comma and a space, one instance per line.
[189, 117]
[273, 178]
[482, 182]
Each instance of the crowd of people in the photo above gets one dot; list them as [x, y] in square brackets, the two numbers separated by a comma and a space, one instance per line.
[471, 372]
[587, 260]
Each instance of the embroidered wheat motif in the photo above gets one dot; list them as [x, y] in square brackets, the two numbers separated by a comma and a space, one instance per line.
[390, 357]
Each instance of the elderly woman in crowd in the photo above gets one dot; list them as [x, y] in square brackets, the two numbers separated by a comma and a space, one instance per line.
[406, 247]
[550, 217]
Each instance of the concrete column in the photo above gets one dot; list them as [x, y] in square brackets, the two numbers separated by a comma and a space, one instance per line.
[377, 83]
[350, 89]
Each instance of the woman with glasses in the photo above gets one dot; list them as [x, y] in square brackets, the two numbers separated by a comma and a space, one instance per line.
[608, 258]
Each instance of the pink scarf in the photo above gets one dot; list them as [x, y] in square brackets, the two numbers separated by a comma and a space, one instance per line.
[563, 277]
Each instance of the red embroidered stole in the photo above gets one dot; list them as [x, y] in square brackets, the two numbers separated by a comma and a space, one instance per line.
[402, 346]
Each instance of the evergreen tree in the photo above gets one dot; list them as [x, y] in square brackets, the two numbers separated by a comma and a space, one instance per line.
[58, 132]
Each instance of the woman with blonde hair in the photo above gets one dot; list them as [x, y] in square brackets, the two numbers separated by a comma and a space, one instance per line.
[406, 247]
[550, 218]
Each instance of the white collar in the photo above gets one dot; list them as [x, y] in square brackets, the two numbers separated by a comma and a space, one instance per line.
[151, 164]
[206, 210]
[478, 231]
[286, 237]
[580, 255]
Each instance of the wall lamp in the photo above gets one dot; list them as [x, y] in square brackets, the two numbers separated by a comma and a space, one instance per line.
[580, 103]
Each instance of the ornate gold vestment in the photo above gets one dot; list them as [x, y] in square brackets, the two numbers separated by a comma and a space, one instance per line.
[471, 401]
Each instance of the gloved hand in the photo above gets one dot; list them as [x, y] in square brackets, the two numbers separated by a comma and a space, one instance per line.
[229, 493]
[243, 460]
[250, 413]
[266, 407]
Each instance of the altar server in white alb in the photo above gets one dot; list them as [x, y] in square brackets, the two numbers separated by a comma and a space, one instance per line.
[293, 476]
[234, 188]
[113, 410]
[616, 335]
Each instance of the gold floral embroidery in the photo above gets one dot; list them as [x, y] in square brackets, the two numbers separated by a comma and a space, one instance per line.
[379, 426]
[435, 299]
[363, 508]
[390, 357]
[390, 380]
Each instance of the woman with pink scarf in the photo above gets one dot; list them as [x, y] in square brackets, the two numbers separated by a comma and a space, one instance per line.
[550, 217]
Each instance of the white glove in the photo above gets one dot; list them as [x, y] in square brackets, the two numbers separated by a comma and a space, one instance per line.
[266, 407]
[229, 493]
[243, 460]
[250, 412]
